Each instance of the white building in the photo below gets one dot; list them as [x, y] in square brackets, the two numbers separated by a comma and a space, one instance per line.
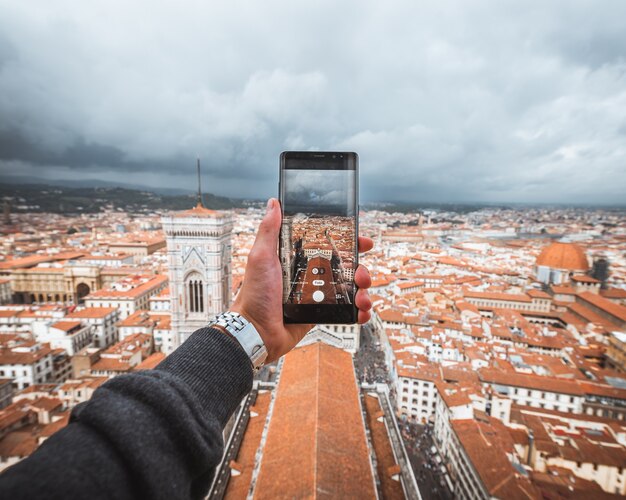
[103, 320]
[417, 394]
[129, 294]
[73, 392]
[345, 337]
[26, 364]
[69, 335]
[5, 290]
[536, 391]
[161, 302]
[199, 261]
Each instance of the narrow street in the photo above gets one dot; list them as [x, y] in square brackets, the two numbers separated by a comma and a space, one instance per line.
[369, 362]
[426, 466]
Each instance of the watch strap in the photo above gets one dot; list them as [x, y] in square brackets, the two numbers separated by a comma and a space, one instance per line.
[246, 334]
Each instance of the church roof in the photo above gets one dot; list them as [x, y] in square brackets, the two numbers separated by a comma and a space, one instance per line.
[563, 256]
[199, 211]
[316, 444]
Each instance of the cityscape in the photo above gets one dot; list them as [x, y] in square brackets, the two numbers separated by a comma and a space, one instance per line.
[320, 260]
[139, 145]
[494, 364]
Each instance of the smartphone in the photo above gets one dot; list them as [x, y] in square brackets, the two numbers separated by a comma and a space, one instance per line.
[318, 193]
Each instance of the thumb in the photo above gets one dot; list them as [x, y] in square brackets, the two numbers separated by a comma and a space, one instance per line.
[267, 235]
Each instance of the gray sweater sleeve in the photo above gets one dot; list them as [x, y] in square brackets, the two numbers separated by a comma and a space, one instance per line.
[153, 434]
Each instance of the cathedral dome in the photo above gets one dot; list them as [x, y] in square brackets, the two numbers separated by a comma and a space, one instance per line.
[563, 256]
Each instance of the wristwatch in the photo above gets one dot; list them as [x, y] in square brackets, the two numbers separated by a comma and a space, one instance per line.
[245, 333]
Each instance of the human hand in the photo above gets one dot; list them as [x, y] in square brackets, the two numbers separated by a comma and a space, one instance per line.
[260, 299]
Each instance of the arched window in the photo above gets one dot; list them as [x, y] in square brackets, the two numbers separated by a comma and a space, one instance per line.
[194, 291]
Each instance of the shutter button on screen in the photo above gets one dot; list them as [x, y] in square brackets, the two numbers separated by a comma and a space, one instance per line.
[318, 296]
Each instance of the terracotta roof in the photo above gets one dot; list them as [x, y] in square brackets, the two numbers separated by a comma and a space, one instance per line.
[585, 279]
[92, 312]
[244, 463]
[8, 357]
[538, 294]
[589, 316]
[613, 293]
[548, 384]
[386, 465]
[111, 365]
[316, 438]
[151, 361]
[18, 444]
[66, 326]
[31, 260]
[55, 426]
[563, 256]
[131, 293]
[198, 211]
[616, 310]
[510, 297]
[391, 315]
[487, 445]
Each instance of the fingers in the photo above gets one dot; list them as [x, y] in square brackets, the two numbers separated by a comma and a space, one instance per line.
[362, 277]
[365, 244]
[269, 229]
[364, 317]
[362, 300]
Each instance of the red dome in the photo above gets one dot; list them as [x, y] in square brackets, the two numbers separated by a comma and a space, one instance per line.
[563, 256]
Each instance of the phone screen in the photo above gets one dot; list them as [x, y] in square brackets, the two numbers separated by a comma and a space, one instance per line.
[319, 235]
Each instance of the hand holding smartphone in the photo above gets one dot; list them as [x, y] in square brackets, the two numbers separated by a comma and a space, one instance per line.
[318, 240]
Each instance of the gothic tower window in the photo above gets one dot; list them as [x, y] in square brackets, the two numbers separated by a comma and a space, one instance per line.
[194, 291]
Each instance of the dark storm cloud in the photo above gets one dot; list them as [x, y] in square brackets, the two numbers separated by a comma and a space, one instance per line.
[319, 191]
[444, 101]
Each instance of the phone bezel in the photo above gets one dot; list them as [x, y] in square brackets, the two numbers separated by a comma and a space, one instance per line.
[322, 313]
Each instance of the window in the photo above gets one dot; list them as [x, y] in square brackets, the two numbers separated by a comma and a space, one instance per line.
[194, 291]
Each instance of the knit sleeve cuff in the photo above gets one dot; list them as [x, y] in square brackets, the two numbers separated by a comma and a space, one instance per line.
[215, 367]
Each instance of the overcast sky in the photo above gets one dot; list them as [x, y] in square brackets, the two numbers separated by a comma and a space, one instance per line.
[444, 101]
[319, 191]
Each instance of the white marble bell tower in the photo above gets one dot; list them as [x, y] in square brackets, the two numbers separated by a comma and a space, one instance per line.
[199, 260]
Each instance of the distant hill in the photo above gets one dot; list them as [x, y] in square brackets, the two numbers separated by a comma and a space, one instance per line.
[75, 200]
[89, 183]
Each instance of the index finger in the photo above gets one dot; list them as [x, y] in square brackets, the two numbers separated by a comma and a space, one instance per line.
[365, 244]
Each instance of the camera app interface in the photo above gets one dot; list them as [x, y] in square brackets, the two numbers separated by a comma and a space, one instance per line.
[318, 236]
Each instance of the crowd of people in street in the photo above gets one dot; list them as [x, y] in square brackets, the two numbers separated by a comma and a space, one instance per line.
[369, 360]
[369, 363]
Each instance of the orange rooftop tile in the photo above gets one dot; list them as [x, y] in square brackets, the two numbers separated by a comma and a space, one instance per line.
[316, 438]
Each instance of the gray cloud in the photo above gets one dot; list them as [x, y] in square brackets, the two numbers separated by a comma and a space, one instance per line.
[443, 101]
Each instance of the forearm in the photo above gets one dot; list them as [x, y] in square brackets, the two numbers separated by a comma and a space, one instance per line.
[153, 434]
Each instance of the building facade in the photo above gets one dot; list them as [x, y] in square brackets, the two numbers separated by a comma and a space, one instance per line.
[199, 261]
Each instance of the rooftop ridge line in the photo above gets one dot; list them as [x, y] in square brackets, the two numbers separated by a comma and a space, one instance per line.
[317, 412]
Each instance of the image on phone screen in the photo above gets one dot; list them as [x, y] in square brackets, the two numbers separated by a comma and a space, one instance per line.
[318, 238]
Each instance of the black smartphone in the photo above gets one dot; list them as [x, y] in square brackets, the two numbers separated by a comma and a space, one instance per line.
[318, 193]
